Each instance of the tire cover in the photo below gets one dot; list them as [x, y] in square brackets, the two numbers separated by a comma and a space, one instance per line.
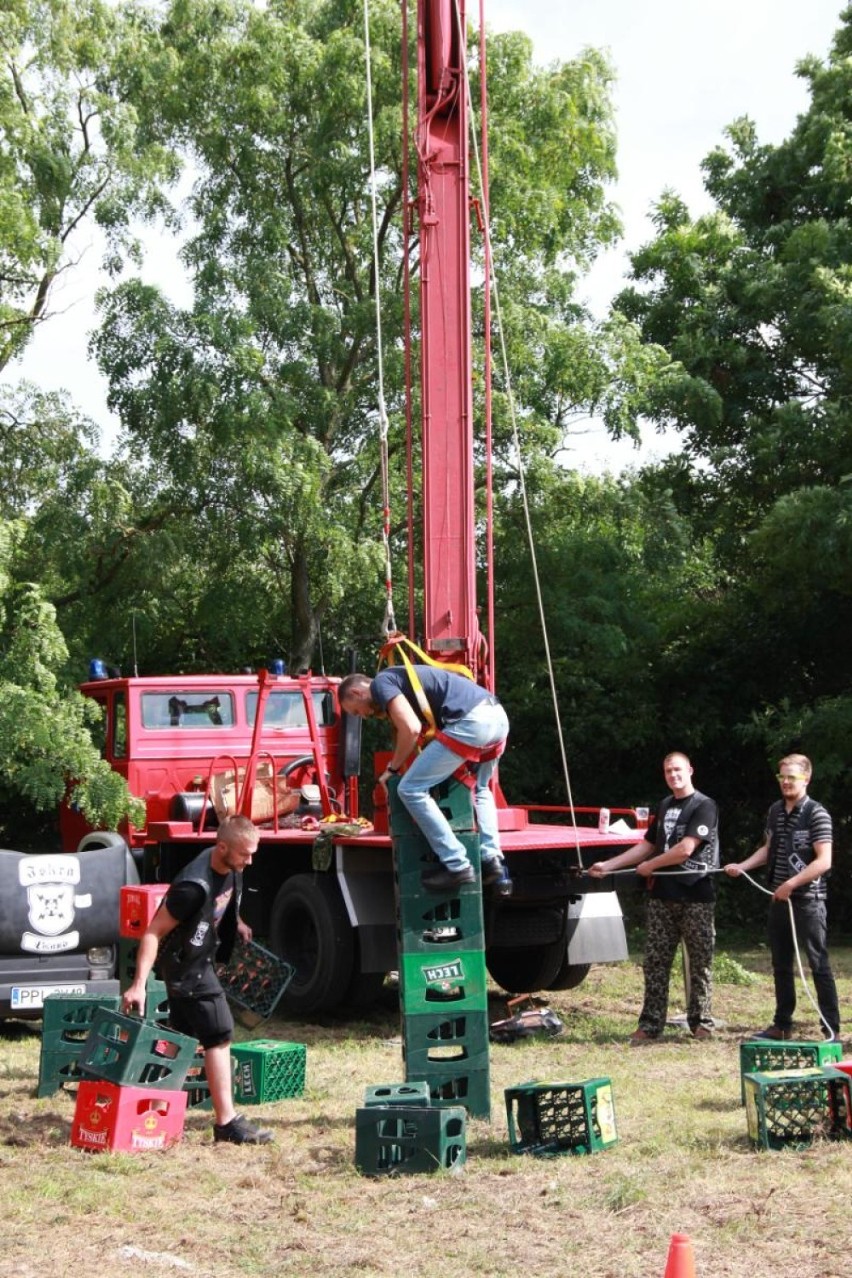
[59, 902]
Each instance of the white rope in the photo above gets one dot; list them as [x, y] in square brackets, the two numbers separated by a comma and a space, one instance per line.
[768, 891]
[831, 1036]
[389, 622]
[486, 219]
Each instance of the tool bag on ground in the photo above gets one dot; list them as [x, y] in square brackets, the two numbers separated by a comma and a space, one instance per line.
[531, 1021]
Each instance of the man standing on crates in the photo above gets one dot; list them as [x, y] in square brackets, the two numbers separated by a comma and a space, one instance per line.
[466, 727]
[195, 927]
[681, 846]
[797, 847]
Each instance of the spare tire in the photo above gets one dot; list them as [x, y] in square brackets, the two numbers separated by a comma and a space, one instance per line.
[61, 902]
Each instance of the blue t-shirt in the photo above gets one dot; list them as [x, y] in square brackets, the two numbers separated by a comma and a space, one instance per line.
[451, 696]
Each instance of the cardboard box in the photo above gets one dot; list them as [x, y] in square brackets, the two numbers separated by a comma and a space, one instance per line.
[224, 793]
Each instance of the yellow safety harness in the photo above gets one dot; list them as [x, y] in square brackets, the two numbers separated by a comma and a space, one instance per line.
[471, 755]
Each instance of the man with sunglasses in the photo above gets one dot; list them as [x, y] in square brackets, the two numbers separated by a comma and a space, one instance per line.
[797, 852]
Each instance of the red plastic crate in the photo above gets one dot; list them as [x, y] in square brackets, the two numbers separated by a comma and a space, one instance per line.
[137, 906]
[133, 1119]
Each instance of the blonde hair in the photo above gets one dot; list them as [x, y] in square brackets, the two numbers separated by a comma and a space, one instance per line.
[800, 761]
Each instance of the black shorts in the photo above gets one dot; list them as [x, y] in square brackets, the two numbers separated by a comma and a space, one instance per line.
[206, 1017]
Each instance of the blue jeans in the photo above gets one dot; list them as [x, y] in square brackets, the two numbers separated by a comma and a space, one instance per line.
[485, 725]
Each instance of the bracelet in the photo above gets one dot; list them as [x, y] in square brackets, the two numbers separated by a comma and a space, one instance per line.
[393, 771]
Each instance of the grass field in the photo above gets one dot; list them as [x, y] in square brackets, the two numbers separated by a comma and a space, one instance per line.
[683, 1164]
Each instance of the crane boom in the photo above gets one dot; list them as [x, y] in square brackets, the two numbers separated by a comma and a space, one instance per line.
[451, 630]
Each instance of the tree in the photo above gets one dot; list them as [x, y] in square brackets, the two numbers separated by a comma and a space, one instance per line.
[751, 302]
[68, 153]
[45, 744]
[277, 355]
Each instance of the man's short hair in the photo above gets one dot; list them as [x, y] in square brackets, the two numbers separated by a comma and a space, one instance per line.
[352, 683]
[677, 754]
[799, 761]
[235, 829]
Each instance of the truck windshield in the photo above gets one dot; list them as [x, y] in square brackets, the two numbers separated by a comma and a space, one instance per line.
[287, 710]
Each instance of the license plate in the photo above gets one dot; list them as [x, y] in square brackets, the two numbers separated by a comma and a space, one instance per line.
[30, 997]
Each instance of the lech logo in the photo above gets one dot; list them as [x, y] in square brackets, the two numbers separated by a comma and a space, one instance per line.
[445, 974]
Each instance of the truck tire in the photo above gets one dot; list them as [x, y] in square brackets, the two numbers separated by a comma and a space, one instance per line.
[526, 969]
[310, 928]
[112, 839]
[569, 976]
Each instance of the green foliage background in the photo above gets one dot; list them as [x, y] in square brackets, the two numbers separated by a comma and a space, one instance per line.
[702, 603]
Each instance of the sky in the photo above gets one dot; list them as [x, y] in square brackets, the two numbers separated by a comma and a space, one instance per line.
[684, 70]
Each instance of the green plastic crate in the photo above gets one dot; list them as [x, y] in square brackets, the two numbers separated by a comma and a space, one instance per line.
[66, 1024]
[455, 981]
[404, 1139]
[397, 1094]
[458, 1083]
[267, 1070]
[454, 799]
[790, 1109]
[437, 1040]
[136, 1053]
[255, 978]
[764, 1056]
[561, 1118]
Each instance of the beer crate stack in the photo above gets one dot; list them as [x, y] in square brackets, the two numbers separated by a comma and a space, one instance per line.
[131, 1095]
[764, 1056]
[138, 903]
[399, 1132]
[67, 1020]
[442, 975]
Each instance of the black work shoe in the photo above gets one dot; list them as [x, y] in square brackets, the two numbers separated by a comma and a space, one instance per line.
[496, 875]
[442, 880]
[773, 1034]
[241, 1132]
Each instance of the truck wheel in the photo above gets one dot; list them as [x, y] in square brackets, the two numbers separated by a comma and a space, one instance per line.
[526, 969]
[569, 976]
[310, 928]
[365, 988]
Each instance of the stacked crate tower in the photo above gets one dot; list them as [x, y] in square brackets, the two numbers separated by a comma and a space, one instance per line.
[443, 991]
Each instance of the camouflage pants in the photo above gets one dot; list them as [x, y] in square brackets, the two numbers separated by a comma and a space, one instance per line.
[669, 923]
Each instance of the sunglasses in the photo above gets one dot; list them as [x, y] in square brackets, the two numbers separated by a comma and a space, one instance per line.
[790, 776]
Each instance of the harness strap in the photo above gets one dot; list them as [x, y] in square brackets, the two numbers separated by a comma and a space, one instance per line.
[397, 643]
[470, 755]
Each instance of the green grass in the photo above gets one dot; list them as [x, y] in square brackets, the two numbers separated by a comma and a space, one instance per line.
[683, 1163]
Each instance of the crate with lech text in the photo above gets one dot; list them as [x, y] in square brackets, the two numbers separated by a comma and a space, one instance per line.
[791, 1108]
[454, 981]
[109, 1117]
[404, 1139]
[267, 1070]
[121, 1049]
[561, 1118]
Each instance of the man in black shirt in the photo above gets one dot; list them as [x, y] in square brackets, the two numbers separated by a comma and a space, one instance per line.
[681, 846]
[797, 846]
[196, 926]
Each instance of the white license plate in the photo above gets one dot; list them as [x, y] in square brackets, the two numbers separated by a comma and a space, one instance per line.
[30, 997]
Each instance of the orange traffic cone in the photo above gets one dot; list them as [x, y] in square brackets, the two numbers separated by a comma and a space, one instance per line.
[681, 1262]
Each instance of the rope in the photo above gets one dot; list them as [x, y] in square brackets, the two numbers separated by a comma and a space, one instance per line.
[517, 446]
[389, 621]
[830, 1034]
